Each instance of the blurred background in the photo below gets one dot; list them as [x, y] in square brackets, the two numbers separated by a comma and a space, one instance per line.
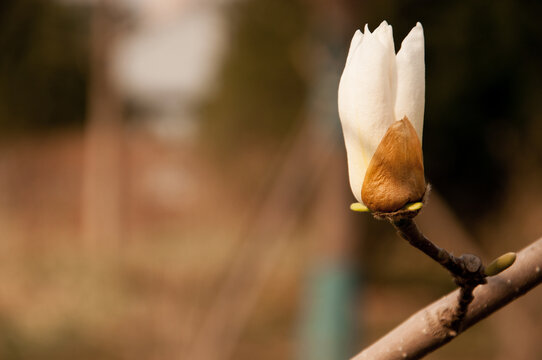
[173, 179]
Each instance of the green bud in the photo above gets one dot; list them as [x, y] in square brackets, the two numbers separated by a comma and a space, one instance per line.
[500, 264]
[359, 207]
[413, 206]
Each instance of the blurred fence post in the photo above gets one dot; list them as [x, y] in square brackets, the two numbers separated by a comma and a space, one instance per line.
[328, 324]
[101, 212]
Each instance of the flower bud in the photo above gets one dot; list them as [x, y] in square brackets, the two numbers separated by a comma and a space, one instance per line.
[381, 104]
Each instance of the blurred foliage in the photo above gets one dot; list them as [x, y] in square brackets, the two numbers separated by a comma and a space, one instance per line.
[43, 65]
[261, 91]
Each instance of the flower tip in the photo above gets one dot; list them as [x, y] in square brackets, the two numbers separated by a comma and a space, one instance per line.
[383, 28]
[356, 39]
[359, 207]
[419, 28]
[366, 29]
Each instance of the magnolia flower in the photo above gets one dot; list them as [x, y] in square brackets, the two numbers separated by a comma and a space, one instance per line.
[381, 105]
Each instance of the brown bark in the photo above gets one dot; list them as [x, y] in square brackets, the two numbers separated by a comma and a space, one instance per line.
[430, 328]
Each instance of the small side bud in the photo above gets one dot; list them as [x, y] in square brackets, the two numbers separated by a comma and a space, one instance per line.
[359, 207]
[413, 206]
[500, 264]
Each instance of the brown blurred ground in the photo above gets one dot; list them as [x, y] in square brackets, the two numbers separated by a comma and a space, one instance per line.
[146, 296]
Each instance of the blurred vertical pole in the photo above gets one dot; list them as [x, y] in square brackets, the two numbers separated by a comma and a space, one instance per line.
[328, 321]
[103, 139]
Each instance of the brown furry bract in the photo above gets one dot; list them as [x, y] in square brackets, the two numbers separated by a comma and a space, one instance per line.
[395, 175]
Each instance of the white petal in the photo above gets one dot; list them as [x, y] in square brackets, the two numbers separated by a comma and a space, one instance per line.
[365, 106]
[410, 97]
[356, 40]
[384, 34]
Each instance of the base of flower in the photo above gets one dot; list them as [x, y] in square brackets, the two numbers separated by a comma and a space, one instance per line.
[408, 211]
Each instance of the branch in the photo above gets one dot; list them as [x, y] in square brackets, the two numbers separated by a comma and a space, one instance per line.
[466, 268]
[429, 328]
